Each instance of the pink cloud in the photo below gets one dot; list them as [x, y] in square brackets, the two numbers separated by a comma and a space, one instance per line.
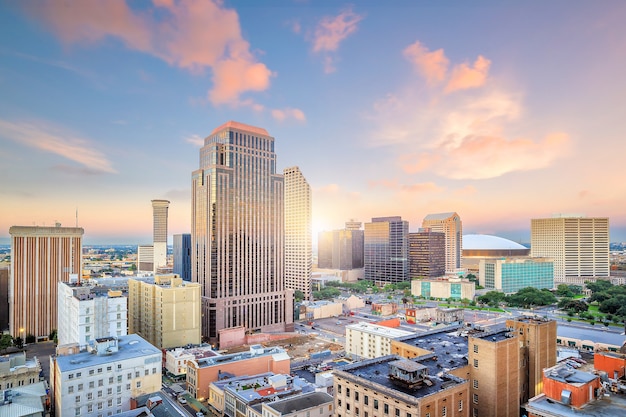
[465, 76]
[423, 187]
[189, 34]
[332, 30]
[383, 183]
[432, 65]
[283, 114]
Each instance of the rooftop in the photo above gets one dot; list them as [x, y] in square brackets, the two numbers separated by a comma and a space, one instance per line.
[241, 126]
[447, 345]
[300, 402]
[129, 347]
[565, 374]
[255, 351]
[495, 336]
[592, 335]
[372, 328]
[611, 406]
[483, 242]
[439, 216]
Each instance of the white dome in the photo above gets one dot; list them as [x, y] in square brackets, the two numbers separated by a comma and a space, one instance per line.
[489, 242]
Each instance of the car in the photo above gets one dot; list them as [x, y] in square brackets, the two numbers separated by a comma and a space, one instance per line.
[199, 414]
[182, 400]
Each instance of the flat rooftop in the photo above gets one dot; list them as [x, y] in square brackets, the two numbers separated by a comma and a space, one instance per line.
[129, 347]
[611, 406]
[592, 335]
[495, 336]
[279, 354]
[379, 330]
[300, 402]
[447, 345]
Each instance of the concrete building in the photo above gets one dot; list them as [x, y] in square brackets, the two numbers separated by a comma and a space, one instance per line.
[202, 372]
[25, 401]
[17, 371]
[589, 340]
[368, 340]
[477, 247]
[145, 259]
[386, 250]
[451, 226]
[538, 337]
[182, 256]
[510, 275]
[323, 309]
[176, 359]
[352, 302]
[166, 313]
[578, 245]
[313, 403]
[87, 313]
[159, 233]
[427, 254]
[443, 288]
[341, 249]
[298, 232]
[41, 257]
[4, 298]
[237, 233]
[104, 377]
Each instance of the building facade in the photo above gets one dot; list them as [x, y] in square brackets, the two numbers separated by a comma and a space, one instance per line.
[451, 226]
[386, 250]
[182, 256]
[341, 249]
[367, 340]
[105, 377]
[159, 232]
[427, 254]
[578, 245]
[41, 257]
[86, 314]
[510, 275]
[166, 313]
[298, 224]
[443, 288]
[17, 371]
[238, 233]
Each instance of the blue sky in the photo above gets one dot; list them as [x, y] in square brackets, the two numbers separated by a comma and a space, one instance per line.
[500, 111]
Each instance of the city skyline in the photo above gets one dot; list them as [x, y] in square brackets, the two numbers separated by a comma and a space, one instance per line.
[499, 112]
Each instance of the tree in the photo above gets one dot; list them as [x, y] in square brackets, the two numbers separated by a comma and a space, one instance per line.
[563, 290]
[599, 286]
[531, 296]
[492, 298]
[5, 341]
[30, 338]
[53, 336]
[613, 304]
[18, 342]
[298, 295]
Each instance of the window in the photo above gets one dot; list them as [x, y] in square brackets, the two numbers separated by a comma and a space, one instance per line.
[109, 391]
[397, 412]
[475, 384]
[356, 395]
[80, 387]
[366, 400]
[338, 403]
[90, 395]
[70, 389]
[460, 405]
[475, 348]
[375, 404]
[146, 372]
[475, 363]
[109, 368]
[100, 382]
[119, 366]
[70, 376]
[339, 389]
[119, 379]
[444, 411]
[386, 408]
[100, 394]
[138, 384]
[78, 398]
[91, 384]
[77, 412]
[129, 376]
[127, 387]
[91, 372]
[475, 398]
[78, 374]
[137, 374]
[99, 370]
[110, 380]
[87, 329]
[474, 412]
[153, 371]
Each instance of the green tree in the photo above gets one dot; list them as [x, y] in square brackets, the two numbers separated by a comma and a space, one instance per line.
[492, 298]
[531, 296]
[5, 341]
[599, 286]
[18, 342]
[298, 295]
[563, 290]
[30, 338]
[53, 336]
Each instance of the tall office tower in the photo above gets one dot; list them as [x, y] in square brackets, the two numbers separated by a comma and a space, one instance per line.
[578, 245]
[182, 256]
[4, 299]
[166, 313]
[427, 254]
[237, 236]
[159, 232]
[450, 224]
[538, 346]
[386, 250]
[41, 257]
[145, 258]
[87, 313]
[298, 224]
[341, 249]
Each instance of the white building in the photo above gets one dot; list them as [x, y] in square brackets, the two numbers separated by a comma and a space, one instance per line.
[311, 404]
[176, 359]
[369, 341]
[578, 245]
[85, 313]
[104, 377]
[298, 225]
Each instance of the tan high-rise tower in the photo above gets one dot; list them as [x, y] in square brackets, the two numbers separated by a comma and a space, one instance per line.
[41, 257]
[450, 224]
[159, 218]
[298, 224]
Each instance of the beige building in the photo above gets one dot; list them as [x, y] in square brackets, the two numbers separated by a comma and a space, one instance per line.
[166, 313]
[366, 340]
[41, 257]
[26, 401]
[578, 245]
[351, 303]
[159, 233]
[443, 288]
[17, 371]
[323, 309]
[450, 224]
[298, 231]
[176, 359]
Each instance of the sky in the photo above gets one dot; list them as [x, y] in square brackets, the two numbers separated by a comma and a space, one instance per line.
[499, 111]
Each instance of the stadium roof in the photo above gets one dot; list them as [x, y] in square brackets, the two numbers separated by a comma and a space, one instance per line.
[483, 242]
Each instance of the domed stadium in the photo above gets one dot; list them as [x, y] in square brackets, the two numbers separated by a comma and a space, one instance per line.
[489, 245]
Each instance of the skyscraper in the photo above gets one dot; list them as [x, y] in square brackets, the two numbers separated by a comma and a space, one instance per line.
[450, 224]
[237, 234]
[341, 249]
[427, 254]
[578, 245]
[298, 223]
[41, 257]
[159, 218]
[182, 256]
[386, 250]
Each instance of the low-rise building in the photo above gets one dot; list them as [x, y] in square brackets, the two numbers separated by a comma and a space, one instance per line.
[589, 340]
[25, 401]
[323, 309]
[314, 403]
[351, 303]
[202, 372]
[105, 376]
[367, 340]
[419, 314]
[511, 274]
[176, 359]
[384, 309]
[443, 288]
[450, 315]
[17, 371]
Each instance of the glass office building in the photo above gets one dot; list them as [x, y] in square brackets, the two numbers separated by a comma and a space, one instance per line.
[510, 275]
[386, 250]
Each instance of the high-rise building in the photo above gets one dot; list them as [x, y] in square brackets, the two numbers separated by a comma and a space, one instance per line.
[450, 224]
[238, 233]
[4, 298]
[41, 257]
[578, 245]
[87, 313]
[182, 256]
[159, 232]
[341, 249]
[298, 224]
[427, 254]
[166, 313]
[386, 250]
